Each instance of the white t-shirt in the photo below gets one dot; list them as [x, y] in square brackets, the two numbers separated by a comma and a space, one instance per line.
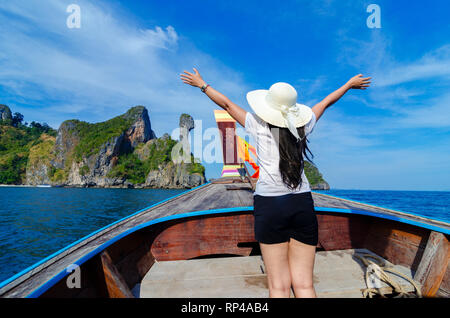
[270, 182]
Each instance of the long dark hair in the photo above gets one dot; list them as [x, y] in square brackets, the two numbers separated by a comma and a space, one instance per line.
[292, 154]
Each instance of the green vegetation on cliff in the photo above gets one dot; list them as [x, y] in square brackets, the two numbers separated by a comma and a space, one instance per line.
[15, 144]
[12, 168]
[42, 152]
[93, 136]
[195, 166]
[313, 174]
[147, 157]
[32, 154]
[57, 175]
[159, 152]
[129, 167]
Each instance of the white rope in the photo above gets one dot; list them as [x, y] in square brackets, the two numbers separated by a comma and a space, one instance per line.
[380, 270]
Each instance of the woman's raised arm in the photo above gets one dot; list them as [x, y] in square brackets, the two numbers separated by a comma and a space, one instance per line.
[356, 82]
[197, 81]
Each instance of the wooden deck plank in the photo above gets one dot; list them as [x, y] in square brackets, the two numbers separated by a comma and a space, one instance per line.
[336, 274]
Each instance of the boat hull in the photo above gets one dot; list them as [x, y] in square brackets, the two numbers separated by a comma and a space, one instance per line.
[232, 234]
[216, 220]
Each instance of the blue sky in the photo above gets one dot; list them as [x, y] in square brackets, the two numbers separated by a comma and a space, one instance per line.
[395, 135]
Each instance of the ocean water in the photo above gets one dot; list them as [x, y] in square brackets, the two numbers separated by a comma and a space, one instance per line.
[36, 222]
[432, 204]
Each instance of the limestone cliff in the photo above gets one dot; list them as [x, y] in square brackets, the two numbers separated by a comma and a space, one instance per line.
[121, 152]
[5, 113]
[85, 153]
[174, 176]
[315, 178]
[164, 173]
[38, 165]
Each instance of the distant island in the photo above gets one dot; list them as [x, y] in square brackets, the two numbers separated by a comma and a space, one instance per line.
[122, 152]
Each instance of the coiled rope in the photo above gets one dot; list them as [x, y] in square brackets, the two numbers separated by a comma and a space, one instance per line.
[379, 270]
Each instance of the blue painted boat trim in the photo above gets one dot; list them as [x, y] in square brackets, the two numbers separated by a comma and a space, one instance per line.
[381, 207]
[42, 289]
[386, 216]
[26, 270]
[88, 256]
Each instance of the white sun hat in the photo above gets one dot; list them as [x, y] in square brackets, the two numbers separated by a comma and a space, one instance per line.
[278, 106]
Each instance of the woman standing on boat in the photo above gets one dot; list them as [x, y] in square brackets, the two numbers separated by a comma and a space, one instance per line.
[285, 221]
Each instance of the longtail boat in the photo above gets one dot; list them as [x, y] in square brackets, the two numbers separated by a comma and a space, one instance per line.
[201, 244]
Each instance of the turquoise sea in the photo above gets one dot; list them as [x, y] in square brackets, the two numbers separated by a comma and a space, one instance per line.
[36, 222]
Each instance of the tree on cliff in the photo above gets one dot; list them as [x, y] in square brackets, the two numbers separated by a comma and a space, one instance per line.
[17, 119]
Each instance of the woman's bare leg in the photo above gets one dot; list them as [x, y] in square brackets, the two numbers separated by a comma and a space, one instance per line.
[275, 258]
[301, 264]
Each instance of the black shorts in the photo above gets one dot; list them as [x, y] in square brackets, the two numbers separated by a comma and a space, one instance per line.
[279, 218]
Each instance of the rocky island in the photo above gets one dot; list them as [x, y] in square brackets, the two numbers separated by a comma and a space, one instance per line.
[122, 152]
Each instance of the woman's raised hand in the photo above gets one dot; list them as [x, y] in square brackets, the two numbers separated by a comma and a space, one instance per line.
[195, 79]
[359, 82]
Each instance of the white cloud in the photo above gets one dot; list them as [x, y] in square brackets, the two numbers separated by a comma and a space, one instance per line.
[374, 57]
[435, 64]
[102, 69]
[160, 38]
[112, 63]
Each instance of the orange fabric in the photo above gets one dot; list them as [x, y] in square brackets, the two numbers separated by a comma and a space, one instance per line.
[244, 149]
